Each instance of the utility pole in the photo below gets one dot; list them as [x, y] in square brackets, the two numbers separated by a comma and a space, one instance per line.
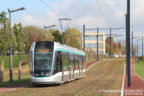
[132, 46]
[110, 42]
[84, 38]
[45, 32]
[128, 43]
[63, 33]
[11, 74]
[10, 37]
[45, 27]
[137, 47]
[97, 44]
[142, 46]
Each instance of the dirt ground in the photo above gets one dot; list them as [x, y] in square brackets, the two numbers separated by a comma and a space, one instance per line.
[103, 79]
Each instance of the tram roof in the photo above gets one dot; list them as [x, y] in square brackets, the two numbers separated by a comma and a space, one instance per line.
[66, 48]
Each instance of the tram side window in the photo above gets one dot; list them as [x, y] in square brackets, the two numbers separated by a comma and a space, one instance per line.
[57, 62]
[80, 62]
[65, 61]
[83, 62]
[76, 62]
[71, 59]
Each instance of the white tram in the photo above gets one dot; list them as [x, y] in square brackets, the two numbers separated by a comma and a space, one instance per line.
[53, 63]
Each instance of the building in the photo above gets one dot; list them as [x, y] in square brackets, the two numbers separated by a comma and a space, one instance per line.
[91, 42]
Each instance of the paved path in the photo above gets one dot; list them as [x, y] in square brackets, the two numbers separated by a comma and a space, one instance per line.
[137, 84]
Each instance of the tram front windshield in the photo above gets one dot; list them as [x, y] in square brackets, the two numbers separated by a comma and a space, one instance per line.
[43, 59]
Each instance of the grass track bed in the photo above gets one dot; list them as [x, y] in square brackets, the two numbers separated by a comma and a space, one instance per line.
[106, 75]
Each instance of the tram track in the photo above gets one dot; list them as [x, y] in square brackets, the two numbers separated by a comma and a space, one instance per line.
[102, 75]
[106, 86]
[114, 80]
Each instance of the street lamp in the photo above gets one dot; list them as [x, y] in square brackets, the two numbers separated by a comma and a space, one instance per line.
[45, 27]
[10, 11]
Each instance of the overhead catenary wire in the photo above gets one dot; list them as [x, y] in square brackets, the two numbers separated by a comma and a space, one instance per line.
[58, 14]
[105, 18]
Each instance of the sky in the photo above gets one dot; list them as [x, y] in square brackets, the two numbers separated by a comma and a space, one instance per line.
[92, 13]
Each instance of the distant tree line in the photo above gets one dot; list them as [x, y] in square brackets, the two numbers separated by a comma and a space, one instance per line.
[117, 48]
[22, 37]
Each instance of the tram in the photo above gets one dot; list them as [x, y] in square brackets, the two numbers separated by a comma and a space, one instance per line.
[54, 63]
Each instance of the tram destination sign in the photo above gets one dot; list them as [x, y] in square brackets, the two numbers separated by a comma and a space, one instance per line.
[43, 50]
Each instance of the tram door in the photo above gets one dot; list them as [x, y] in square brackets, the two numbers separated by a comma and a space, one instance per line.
[61, 65]
[70, 71]
[71, 66]
[65, 67]
[80, 66]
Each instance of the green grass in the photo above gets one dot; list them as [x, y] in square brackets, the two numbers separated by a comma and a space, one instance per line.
[16, 60]
[7, 83]
[25, 76]
[139, 67]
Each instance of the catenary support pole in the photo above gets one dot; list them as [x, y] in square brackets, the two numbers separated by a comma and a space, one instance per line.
[128, 43]
[142, 46]
[132, 46]
[45, 32]
[10, 36]
[83, 37]
[137, 47]
[97, 44]
[110, 43]
[10, 39]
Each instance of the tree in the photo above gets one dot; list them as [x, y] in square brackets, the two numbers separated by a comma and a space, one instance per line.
[116, 47]
[18, 31]
[107, 44]
[32, 33]
[19, 34]
[49, 35]
[57, 36]
[4, 36]
[73, 38]
[119, 48]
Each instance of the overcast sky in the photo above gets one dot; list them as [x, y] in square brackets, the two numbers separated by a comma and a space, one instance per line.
[105, 13]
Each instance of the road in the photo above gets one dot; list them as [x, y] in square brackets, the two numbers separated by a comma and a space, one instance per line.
[102, 77]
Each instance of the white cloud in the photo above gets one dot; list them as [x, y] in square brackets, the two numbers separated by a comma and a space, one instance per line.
[110, 2]
[88, 13]
[51, 17]
[137, 12]
[30, 19]
[90, 21]
[120, 16]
